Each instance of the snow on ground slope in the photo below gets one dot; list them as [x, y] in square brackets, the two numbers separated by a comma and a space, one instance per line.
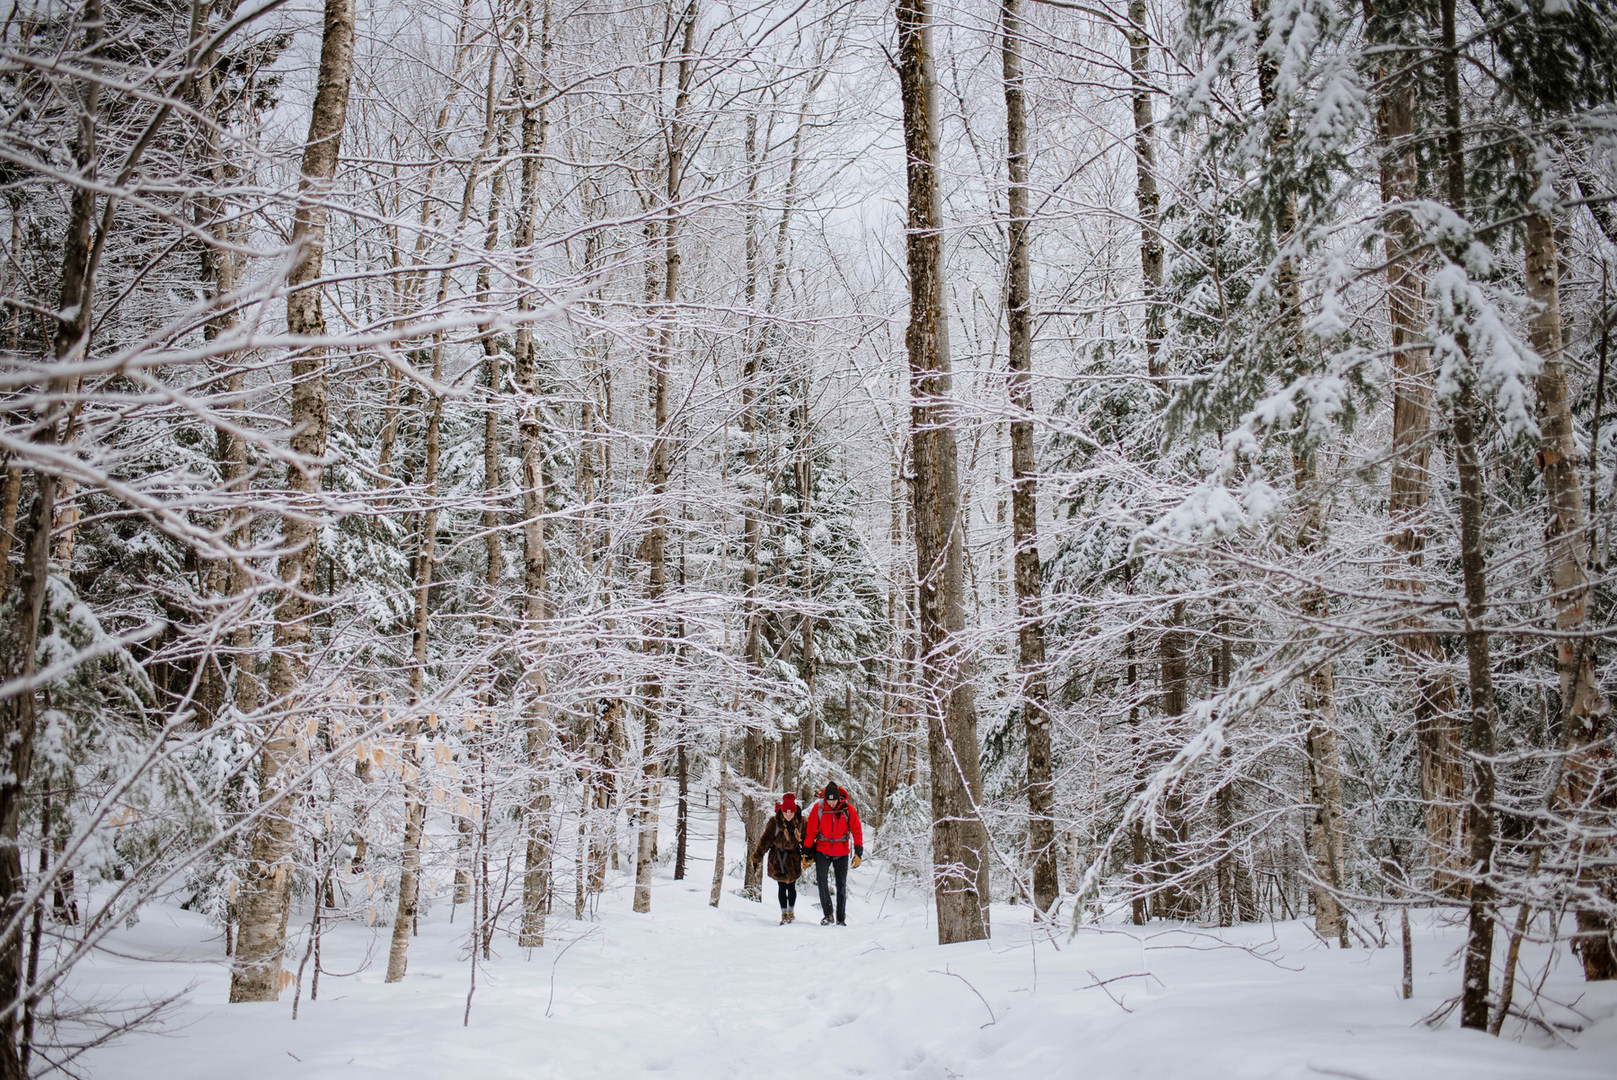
[693, 993]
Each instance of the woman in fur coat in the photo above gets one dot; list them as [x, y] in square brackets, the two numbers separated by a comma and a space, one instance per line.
[782, 840]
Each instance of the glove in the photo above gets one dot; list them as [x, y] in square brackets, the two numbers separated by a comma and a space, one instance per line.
[857, 859]
[808, 860]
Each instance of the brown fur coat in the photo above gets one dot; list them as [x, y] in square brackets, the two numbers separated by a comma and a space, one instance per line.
[783, 840]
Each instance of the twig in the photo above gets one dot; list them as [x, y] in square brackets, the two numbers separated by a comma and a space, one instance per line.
[992, 1020]
[559, 954]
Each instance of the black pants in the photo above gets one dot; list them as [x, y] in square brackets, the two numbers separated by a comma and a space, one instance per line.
[838, 863]
[788, 894]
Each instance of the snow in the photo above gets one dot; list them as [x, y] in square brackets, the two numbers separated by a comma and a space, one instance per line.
[694, 993]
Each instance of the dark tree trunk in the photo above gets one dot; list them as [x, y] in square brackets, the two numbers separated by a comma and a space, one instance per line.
[1473, 568]
[655, 551]
[959, 839]
[1024, 494]
[25, 600]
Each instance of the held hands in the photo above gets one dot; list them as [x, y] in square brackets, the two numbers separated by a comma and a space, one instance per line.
[808, 860]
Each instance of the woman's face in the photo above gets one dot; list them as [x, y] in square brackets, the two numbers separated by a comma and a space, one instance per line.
[790, 812]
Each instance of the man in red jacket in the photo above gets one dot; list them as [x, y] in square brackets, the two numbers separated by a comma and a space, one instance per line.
[831, 824]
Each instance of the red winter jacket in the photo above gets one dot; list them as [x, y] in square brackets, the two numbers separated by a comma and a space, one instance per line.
[828, 829]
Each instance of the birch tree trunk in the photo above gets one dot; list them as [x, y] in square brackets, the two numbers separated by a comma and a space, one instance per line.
[724, 806]
[538, 734]
[493, 557]
[959, 839]
[415, 807]
[1588, 778]
[266, 893]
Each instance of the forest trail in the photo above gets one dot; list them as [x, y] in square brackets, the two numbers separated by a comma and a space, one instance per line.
[696, 993]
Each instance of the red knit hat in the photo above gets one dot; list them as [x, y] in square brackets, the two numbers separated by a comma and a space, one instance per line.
[788, 801]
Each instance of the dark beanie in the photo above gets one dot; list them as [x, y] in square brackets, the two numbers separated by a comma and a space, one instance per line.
[832, 791]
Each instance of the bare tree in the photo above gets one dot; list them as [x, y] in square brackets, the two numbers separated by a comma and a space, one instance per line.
[266, 892]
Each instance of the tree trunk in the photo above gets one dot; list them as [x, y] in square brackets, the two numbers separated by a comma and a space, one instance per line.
[1024, 493]
[1319, 691]
[752, 512]
[539, 736]
[804, 467]
[1173, 900]
[10, 497]
[724, 806]
[959, 838]
[265, 899]
[26, 596]
[1145, 183]
[1473, 568]
[1480, 814]
[656, 539]
[1589, 780]
[895, 702]
[1436, 708]
[682, 822]
[494, 137]
[1139, 907]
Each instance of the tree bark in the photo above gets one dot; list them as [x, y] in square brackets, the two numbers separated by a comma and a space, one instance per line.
[264, 901]
[1319, 691]
[1173, 900]
[1473, 568]
[804, 482]
[1146, 196]
[1139, 906]
[1436, 707]
[724, 806]
[1589, 780]
[494, 137]
[539, 735]
[1024, 490]
[657, 473]
[25, 599]
[1480, 813]
[959, 838]
[752, 511]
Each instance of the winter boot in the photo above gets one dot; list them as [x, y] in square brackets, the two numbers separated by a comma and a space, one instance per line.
[791, 914]
[825, 920]
[785, 918]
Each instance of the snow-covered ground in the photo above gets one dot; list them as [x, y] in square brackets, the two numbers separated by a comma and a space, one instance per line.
[690, 992]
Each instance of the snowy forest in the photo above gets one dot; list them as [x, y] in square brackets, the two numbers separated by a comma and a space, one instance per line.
[465, 460]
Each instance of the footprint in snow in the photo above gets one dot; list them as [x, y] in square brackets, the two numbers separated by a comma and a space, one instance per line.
[841, 1020]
